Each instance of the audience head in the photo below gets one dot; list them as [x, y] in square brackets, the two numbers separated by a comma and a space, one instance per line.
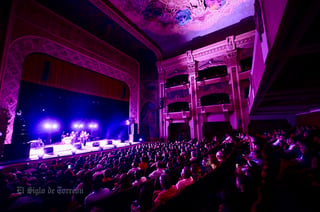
[97, 182]
[165, 181]
[124, 181]
[186, 172]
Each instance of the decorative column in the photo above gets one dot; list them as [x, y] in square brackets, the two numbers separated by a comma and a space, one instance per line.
[236, 118]
[193, 123]
[163, 132]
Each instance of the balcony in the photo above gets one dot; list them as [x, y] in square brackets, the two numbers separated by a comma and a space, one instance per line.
[178, 99]
[177, 81]
[178, 87]
[213, 80]
[178, 115]
[205, 90]
[221, 108]
[244, 75]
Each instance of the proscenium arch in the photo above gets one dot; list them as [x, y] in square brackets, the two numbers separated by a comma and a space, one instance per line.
[23, 46]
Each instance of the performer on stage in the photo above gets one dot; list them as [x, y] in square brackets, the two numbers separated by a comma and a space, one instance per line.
[84, 137]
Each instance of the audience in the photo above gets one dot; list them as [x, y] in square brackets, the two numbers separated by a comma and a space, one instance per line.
[269, 166]
[168, 190]
[186, 179]
[98, 192]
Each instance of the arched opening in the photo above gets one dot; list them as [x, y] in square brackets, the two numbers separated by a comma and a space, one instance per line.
[177, 80]
[212, 72]
[22, 47]
[179, 132]
[53, 89]
[219, 129]
[215, 99]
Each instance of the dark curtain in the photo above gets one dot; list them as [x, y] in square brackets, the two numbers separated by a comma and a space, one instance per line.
[45, 70]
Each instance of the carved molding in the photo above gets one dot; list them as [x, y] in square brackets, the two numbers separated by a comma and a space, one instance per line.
[22, 47]
[43, 21]
[103, 7]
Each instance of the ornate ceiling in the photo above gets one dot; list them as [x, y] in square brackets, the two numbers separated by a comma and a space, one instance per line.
[179, 21]
[167, 26]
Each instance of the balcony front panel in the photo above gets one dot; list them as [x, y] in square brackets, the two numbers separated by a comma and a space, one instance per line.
[221, 108]
[178, 99]
[213, 80]
[244, 75]
[221, 87]
[178, 115]
[177, 80]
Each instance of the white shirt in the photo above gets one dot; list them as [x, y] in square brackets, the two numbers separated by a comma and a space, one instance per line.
[97, 195]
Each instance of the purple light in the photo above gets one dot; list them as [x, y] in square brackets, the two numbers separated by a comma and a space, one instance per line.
[55, 126]
[93, 126]
[140, 139]
[47, 126]
[50, 126]
[128, 122]
[78, 125]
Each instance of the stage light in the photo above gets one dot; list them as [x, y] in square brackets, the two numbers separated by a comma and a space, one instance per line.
[47, 126]
[93, 125]
[128, 122]
[140, 139]
[50, 126]
[81, 125]
[55, 126]
[76, 126]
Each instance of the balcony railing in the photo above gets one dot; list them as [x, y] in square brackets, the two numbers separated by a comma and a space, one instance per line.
[221, 108]
[178, 115]
[213, 80]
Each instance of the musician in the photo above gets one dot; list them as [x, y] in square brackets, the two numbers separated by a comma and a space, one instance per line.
[84, 135]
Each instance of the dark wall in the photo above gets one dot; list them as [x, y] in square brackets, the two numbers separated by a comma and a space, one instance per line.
[261, 126]
[5, 6]
[149, 97]
[309, 119]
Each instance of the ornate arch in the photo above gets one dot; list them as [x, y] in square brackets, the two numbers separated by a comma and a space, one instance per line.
[22, 47]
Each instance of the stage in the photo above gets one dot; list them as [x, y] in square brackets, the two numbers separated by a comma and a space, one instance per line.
[61, 149]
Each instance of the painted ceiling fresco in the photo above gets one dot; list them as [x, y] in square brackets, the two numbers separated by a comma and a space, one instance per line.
[183, 20]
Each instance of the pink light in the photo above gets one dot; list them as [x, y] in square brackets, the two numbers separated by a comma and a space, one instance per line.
[128, 122]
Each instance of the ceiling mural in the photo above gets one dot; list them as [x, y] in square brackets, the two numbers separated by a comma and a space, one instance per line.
[163, 17]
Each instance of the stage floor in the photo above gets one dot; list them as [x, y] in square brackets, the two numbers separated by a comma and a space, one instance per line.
[60, 149]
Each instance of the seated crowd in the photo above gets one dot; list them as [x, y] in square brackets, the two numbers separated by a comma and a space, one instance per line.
[275, 171]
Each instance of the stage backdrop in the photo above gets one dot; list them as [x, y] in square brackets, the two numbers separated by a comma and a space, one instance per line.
[54, 89]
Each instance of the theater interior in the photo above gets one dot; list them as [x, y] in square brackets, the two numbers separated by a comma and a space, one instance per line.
[159, 105]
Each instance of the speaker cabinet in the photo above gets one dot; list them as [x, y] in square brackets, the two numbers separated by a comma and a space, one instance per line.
[95, 144]
[16, 152]
[48, 150]
[77, 146]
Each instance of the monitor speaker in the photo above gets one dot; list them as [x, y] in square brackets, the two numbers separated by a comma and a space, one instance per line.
[109, 142]
[77, 146]
[95, 144]
[48, 150]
